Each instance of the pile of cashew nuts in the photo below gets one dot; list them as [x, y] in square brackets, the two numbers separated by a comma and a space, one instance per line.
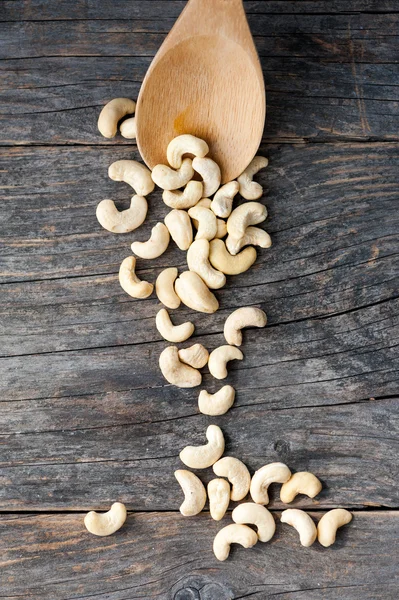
[219, 240]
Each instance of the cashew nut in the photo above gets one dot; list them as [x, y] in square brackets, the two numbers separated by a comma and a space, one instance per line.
[176, 372]
[233, 534]
[194, 493]
[210, 174]
[106, 523]
[207, 226]
[222, 203]
[189, 197]
[216, 404]
[237, 474]
[128, 128]
[219, 498]
[271, 473]
[196, 356]
[179, 225]
[219, 358]
[221, 228]
[249, 189]
[258, 515]
[223, 261]
[122, 221]
[134, 174]
[113, 112]
[253, 236]
[156, 245]
[164, 287]
[194, 293]
[201, 457]
[197, 261]
[302, 523]
[173, 333]
[168, 179]
[129, 281]
[248, 316]
[185, 144]
[249, 213]
[206, 202]
[300, 483]
[329, 523]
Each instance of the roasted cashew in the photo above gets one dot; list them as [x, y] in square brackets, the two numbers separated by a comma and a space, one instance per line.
[300, 483]
[223, 261]
[201, 457]
[210, 173]
[179, 225]
[329, 523]
[196, 356]
[253, 236]
[128, 129]
[248, 316]
[129, 281]
[106, 523]
[185, 144]
[168, 179]
[176, 372]
[207, 225]
[165, 289]
[170, 332]
[194, 493]
[222, 203]
[219, 358]
[113, 112]
[189, 197]
[249, 213]
[216, 404]
[249, 189]
[198, 262]
[302, 523]
[258, 515]
[193, 292]
[272, 473]
[122, 221]
[156, 245]
[219, 498]
[134, 174]
[237, 474]
[233, 534]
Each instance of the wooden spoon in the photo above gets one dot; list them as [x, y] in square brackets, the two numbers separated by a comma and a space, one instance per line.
[206, 80]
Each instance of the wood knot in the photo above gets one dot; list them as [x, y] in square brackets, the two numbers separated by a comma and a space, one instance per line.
[282, 448]
[187, 593]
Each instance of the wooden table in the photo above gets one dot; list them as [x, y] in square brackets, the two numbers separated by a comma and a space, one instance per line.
[86, 417]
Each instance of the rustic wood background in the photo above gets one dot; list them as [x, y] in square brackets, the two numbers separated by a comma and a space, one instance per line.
[86, 418]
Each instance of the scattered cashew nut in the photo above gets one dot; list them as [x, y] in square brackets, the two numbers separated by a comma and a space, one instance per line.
[249, 213]
[253, 236]
[196, 356]
[222, 203]
[122, 221]
[106, 523]
[185, 144]
[176, 372]
[329, 523]
[272, 473]
[170, 332]
[129, 281]
[198, 262]
[300, 483]
[221, 228]
[179, 225]
[128, 129]
[156, 245]
[248, 316]
[223, 261]
[219, 498]
[134, 174]
[113, 112]
[302, 523]
[201, 457]
[219, 358]
[216, 404]
[194, 293]
[210, 174]
[189, 197]
[237, 474]
[258, 515]
[169, 179]
[164, 287]
[207, 225]
[249, 189]
[194, 493]
[233, 534]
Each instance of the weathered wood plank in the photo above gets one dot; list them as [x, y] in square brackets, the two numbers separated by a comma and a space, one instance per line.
[167, 557]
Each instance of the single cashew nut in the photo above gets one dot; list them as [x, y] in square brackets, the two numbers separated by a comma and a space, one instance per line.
[128, 128]
[219, 358]
[134, 174]
[194, 493]
[253, 236]
[206, 202]
[122, 221]
[201, 457]
[165, 289]
[207, 225]
[233, 534]
[237, 474]
[176, 372]
[113, 112]
[179, 225]
[196, 356]
[210, 174]
[156, 245]
[221, 228]
[219, 498]
[106, 523]
[185, 144]
[300, 483]
[197, 261]
[249, 189]
[168, 179]
[302, 523]
[249, 213]
[129, 281]
[329, 523]
[222, 203]
[271, 473]
[248, 316]
[223, 261]
[193, 292]
[216, 404]
[170, 332]
[258, 515]
[189, 197]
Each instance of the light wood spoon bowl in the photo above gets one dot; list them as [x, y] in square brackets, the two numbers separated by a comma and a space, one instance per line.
[206, 80]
